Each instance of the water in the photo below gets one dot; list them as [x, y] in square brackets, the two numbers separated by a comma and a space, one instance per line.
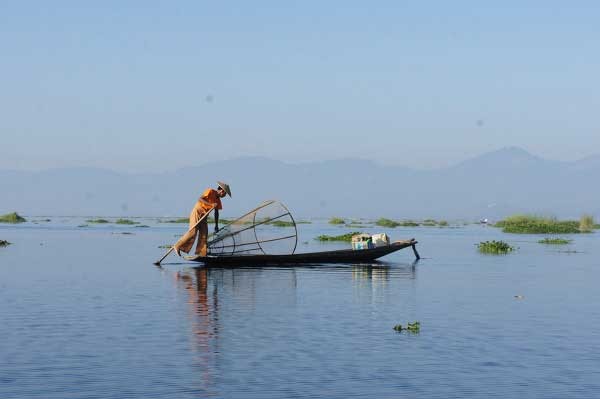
[85, 314]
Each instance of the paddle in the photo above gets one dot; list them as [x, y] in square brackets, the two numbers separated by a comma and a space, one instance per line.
[157, 263]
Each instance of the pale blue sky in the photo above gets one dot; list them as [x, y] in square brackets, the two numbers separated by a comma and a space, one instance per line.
[151, 86]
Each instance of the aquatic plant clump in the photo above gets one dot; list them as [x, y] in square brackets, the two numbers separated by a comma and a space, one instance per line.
[555, 241]
[13, 217]
[494, 247]
[343, 237]
[336, 220]
[4, 243]
[411, 327]
[179, 220]
[98, 221]
[282, 223]
[126, 221]
[527, 224]
[383, 222]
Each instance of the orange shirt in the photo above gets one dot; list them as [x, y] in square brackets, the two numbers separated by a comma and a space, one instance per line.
[212, 197]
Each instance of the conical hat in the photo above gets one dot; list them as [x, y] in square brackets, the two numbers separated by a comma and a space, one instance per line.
[225, 187]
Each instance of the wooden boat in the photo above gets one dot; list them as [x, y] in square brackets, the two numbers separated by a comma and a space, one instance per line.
[337, 256]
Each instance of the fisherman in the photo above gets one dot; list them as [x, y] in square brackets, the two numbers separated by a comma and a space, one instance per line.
[209, 199]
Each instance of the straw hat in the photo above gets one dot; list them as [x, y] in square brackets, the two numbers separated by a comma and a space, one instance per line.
[225, 187]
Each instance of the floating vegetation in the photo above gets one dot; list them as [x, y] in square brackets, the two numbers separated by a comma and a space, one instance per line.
[527, 224]
[142, 226]
[408, 223]
[586, 224]
[494, 247]
[43, 220]
[555, 241]
[343, 237]
[180, 220]
[83, 225]
[127, 233]
[4, 243]
[383, 222]
[443, 223]
[165, 246]
[125, 221]
[282, 223]
[12, 218]
[411, 327]
[336, 220]
[98, 221]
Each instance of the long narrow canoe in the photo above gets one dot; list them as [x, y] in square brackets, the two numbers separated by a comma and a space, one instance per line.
[338, 256]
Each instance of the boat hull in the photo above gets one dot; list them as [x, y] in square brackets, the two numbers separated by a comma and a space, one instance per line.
[338, 256]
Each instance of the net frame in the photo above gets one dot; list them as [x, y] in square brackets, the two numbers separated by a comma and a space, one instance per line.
[219, 246]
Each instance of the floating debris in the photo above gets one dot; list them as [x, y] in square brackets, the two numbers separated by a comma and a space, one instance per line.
[519, 297]
[4, 243]
[411, 327]
[12, 218]
[123, 233]
[83, 225]
[142, 226]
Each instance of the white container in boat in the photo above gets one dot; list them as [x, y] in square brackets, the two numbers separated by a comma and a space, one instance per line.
[380, 240]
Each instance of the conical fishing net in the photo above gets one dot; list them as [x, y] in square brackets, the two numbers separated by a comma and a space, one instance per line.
[269, 229]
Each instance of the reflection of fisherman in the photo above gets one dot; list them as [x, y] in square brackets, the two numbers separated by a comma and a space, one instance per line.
[210, 198]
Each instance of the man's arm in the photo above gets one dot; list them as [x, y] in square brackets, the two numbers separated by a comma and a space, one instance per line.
[216, 220]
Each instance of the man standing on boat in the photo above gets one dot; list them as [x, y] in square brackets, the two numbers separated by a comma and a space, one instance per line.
[210, 199]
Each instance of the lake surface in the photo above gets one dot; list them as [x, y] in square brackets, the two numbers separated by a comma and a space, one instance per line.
[85, 314]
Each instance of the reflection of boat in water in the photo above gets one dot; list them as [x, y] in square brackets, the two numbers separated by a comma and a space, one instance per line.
[337, 256]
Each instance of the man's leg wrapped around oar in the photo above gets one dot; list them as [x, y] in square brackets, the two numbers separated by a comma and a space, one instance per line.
[186, 242]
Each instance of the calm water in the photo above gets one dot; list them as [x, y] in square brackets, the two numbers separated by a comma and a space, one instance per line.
[85, 314]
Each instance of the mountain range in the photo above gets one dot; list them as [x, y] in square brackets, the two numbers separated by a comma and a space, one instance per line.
[493, 185]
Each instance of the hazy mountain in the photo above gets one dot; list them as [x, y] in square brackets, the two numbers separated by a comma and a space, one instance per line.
[492, 185]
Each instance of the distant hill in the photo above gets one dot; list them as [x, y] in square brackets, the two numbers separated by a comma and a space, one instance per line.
[492, 185]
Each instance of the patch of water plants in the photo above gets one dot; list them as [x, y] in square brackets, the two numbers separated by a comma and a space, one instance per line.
[494, 247]
[414, 327]
[555, 241]
[13, 217]
[336, 220]
[383, 222]
[179, 220]
[97, 221]
[125, 221]
[344, 237]
[528, 224]
[281, 223]
[4, 243]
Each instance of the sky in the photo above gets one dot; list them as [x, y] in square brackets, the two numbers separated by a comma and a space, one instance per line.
[147, 86]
